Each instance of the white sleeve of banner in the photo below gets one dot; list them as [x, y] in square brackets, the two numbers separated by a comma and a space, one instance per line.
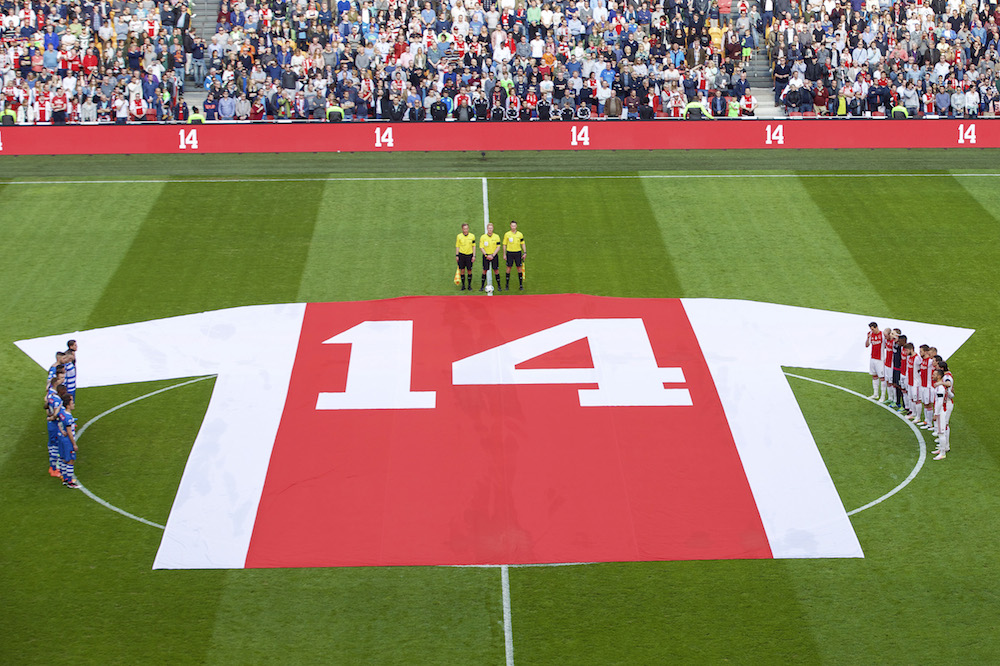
[745, 346]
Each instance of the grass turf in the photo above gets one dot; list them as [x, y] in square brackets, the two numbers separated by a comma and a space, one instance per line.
[924, 249]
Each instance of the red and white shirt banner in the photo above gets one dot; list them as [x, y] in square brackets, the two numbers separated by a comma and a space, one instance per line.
[462, 430]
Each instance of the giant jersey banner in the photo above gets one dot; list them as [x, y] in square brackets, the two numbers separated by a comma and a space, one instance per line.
[511, 430]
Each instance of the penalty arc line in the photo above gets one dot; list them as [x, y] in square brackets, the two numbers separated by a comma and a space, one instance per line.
[921, 459]
[114, 409]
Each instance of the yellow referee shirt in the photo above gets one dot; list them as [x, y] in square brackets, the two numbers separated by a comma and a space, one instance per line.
[488, 243]
[465, 243]
[512, 241]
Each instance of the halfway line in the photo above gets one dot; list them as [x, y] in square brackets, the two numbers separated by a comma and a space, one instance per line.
[486, 222]
[508, 631]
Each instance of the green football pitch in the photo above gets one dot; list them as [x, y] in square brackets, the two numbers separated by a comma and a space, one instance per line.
[90, 242]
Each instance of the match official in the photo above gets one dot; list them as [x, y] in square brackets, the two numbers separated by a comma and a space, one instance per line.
[465, 254]
[489, 243]
[514, 252]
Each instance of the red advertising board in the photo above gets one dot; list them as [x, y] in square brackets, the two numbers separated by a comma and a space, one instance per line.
[494, 136]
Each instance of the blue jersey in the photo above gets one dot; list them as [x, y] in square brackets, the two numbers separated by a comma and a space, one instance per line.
[53, 403]
[52, 375]
[70, 376]
[67, 422]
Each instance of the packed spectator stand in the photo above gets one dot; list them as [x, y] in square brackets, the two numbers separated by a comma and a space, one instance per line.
[127, 61]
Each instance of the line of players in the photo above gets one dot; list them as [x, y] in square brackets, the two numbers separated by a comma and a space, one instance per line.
[913, 379]
[60, 398]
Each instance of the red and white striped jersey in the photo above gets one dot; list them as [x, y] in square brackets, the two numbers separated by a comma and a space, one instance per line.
[876, 344]
[926, 378]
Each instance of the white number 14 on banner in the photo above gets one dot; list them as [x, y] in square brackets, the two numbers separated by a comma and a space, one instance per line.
[625, 368]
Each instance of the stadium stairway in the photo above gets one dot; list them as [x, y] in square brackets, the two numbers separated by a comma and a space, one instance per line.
[205, 13]
[203, 25]
[759, 75]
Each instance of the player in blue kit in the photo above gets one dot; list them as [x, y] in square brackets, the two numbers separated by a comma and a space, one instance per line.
[53, 405]
[69, 360]
[67, 442]
[60, 358]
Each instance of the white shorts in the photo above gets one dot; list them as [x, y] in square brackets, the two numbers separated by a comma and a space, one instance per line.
[887, 373]
[875, 367]
[944, 417]
[914, 391]
[925, 395]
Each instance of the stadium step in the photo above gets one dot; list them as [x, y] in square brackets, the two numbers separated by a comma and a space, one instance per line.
[206, 11]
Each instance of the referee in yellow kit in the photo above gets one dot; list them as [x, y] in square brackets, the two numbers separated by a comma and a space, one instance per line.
[514, 252]
[489, 243]
[465, 254]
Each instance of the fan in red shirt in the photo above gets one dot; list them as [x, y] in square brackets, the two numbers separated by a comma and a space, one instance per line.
[59, 104]
[73, 62]
[90, 62]
[530, 101]
[257, 109]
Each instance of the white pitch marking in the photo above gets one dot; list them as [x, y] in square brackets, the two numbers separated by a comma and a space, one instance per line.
[114, 508]
[916, 431]
[114, 409]
[913, 473]
[508, 631]
[457, 178]
[486, 222]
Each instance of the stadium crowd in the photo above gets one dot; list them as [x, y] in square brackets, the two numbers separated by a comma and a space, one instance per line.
[132, 60]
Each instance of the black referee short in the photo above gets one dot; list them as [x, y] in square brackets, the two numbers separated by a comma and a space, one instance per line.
[895, 376]
[465, 261]
[494, 262]
[513, 258]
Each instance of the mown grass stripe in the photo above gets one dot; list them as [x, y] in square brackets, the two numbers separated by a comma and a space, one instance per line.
[593, 237]
[218, 246]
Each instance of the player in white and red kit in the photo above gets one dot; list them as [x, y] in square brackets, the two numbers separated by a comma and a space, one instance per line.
[944, 405]
[886, 365]
[926, 387]
[874, 340]
[912, 388]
